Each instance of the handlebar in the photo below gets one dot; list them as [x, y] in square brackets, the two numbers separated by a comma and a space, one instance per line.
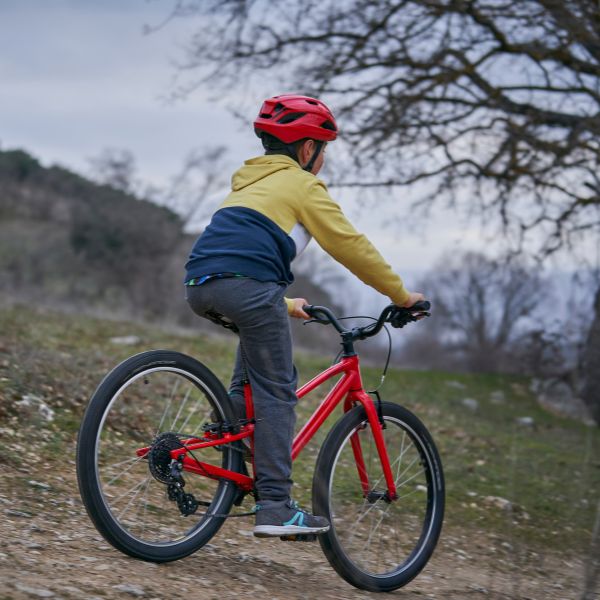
[397, 316]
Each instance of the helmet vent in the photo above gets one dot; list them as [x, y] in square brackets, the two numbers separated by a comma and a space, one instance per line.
[290, 117]
[265, 116]
[278, 107]
[313, 102]
[328, 125]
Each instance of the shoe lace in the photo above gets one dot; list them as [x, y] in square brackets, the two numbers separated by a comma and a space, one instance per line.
[294, 505]
[291, 504]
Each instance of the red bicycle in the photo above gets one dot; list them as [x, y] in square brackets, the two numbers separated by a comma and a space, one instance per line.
[161, 414]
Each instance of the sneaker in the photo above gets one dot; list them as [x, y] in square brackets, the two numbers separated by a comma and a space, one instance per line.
[287, 519]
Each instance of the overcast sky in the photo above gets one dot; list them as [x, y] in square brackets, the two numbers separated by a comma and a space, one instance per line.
[79, 76]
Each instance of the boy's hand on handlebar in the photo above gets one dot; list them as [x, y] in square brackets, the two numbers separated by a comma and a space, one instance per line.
[413, 297]
[297, 312]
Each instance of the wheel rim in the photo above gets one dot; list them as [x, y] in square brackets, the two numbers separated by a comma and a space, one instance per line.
[152, 402]
[383, 539]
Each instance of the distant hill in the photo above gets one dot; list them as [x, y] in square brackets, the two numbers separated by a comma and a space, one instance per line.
[66, 240]
[70, 243]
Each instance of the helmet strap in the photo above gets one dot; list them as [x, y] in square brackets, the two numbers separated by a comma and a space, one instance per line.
[309, 165]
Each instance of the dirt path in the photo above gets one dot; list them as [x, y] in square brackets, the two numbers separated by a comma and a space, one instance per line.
[49, 549]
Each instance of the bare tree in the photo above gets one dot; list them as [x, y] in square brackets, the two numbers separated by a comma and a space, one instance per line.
[116, 168]
[591, 357]
[485, 308]
[592, 567]
[204, 172]
[495, 105]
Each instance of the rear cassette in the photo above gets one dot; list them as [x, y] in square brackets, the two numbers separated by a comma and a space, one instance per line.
[159, 457]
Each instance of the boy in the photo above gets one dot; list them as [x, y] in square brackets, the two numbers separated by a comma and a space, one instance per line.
[240, 267]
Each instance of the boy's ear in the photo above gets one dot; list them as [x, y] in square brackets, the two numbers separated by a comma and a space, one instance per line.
[305, 150]
[300, 151]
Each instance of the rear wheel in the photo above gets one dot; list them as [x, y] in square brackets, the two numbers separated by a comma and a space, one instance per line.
[154, 399]
[375, 544]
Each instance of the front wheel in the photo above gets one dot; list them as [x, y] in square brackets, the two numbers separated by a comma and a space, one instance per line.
[153, 400]
[373, 543]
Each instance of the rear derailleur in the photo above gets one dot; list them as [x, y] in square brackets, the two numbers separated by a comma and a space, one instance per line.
[186, 503]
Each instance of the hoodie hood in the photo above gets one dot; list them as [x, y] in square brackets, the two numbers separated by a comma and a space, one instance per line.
[260, 167]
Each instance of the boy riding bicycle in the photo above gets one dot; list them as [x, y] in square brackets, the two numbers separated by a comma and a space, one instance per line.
[240, 267]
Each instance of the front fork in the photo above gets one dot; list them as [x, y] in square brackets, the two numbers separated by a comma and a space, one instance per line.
[371, 495]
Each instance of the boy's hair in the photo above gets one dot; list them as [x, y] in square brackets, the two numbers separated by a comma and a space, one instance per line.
[274, 146]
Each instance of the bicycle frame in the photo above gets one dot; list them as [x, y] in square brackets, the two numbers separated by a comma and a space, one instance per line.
[348, 388]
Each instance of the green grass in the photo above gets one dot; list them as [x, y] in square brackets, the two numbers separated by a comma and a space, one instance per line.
[550, 472]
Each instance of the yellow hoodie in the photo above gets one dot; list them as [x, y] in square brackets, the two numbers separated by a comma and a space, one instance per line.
[273, 210]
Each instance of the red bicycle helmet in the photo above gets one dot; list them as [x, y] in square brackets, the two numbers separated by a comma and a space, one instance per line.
[290, 118]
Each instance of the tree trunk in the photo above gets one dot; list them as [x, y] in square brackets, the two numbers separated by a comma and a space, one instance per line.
[591, 365]
[592, 567]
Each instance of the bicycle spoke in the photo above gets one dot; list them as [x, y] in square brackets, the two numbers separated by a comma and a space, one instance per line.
[130, 491]
[412, 476]
[401, 454]
[115, 499]
[392, 464]
[145, 505]
[122, 462]
[408, 468]
[124, 471]
[190, 414]
[407, 495]
[168, 406]
[367, 512]
[354, 530]
[181, 407]
[374, 529]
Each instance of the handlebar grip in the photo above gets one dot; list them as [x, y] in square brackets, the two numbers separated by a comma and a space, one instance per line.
[321, 314]
[402, 315]
[420, 306]
[308, 309]
[315, 312]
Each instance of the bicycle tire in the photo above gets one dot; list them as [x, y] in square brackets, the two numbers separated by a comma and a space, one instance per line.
[411, 524]
[120, 419]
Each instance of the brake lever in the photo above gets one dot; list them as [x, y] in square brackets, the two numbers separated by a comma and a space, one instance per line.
[315, 320]
[404, 317]
[420, 315]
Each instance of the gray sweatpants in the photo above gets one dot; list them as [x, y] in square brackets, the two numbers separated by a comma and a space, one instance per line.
[260, 313]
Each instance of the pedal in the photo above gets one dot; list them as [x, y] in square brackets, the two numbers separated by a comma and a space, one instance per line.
[309, 537]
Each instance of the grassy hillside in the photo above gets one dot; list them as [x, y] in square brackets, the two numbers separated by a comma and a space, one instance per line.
[531, 484]
[68, 241]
